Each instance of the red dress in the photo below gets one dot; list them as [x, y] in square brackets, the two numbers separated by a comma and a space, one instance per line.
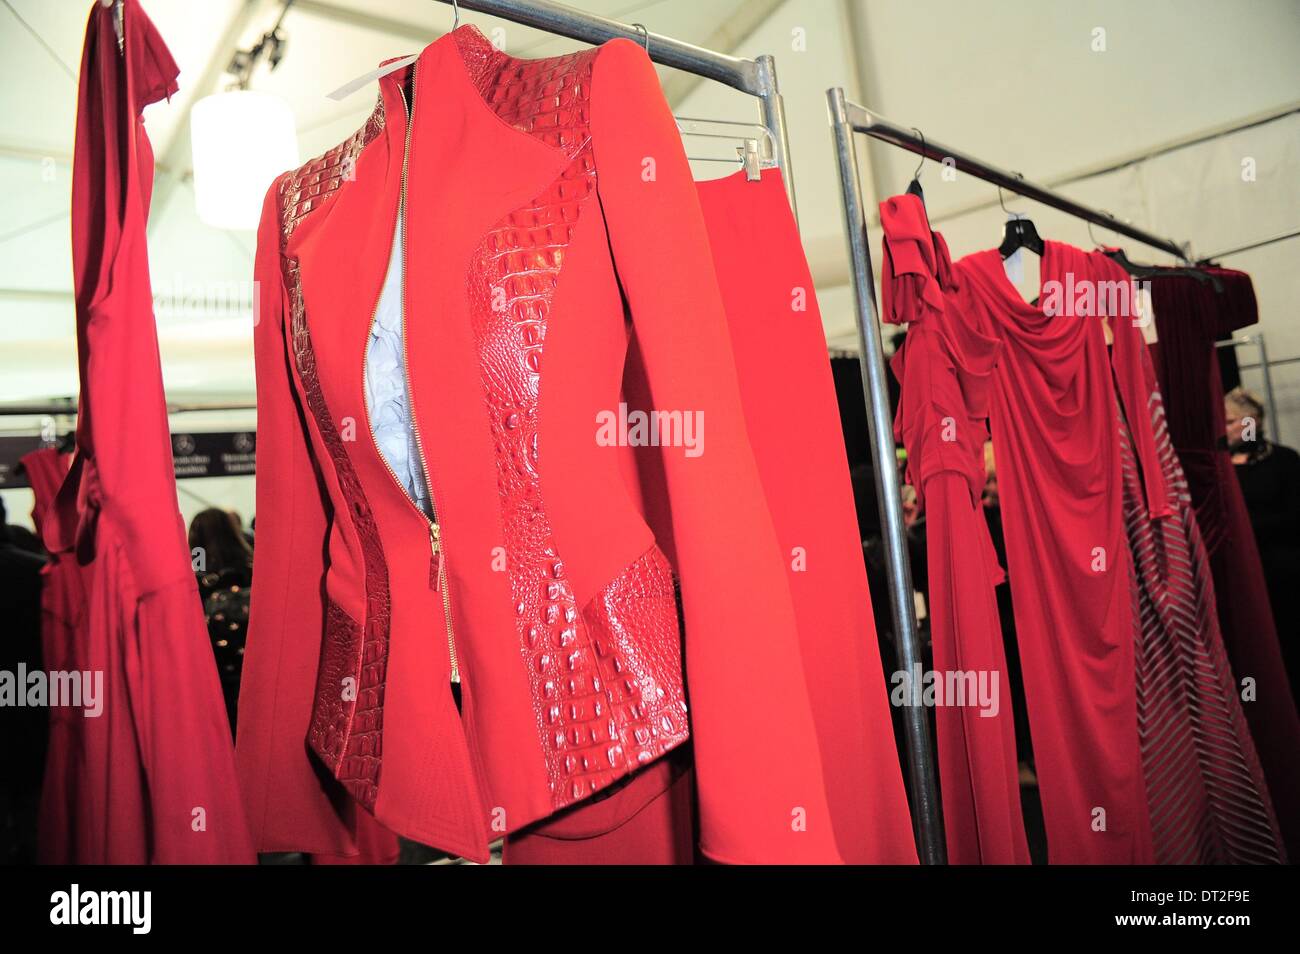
[154, 779]
[945, 367]
[546, 202]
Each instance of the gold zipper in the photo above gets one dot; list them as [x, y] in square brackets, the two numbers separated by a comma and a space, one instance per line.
[437, 553]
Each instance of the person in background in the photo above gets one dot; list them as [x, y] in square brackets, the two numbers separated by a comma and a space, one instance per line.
[1269, 475]
[223, 564]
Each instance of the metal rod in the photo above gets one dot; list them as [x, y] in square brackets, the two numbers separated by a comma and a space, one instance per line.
[70, 409]
[1268, 386]
[773, 110]
[1265, 369]
[865, 121]
[1282, 237]
[556, 18]
[1115, 165]
[920, 760]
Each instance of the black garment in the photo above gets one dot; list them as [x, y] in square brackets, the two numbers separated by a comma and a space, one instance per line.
[226, 597]
[24, 730]
[1270, 482]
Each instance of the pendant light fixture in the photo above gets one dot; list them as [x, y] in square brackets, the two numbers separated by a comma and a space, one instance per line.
[242, 139]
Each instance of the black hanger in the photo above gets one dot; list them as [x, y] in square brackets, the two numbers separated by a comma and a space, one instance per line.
[67, 442]
[1138, 270]
[1018, 233]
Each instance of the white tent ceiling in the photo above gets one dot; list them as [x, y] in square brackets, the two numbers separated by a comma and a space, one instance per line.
[1024, 85]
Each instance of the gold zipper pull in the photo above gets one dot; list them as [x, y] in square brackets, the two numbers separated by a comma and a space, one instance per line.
[435, 561]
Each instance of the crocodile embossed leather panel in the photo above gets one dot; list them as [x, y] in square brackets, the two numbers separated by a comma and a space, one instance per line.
[309, 186]
[606, 682]
[347, 716]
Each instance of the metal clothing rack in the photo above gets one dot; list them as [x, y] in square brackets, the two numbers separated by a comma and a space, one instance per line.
[757, 77]
[863, 120]
[848, 118]
[70, 409]
[1282, 237]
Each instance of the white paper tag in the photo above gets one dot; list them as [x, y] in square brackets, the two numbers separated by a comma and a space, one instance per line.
[350, 87]
[1015, 267]
[1147, 316]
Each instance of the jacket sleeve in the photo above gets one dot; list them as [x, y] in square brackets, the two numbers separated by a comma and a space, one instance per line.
[759, 774]
[288, 807]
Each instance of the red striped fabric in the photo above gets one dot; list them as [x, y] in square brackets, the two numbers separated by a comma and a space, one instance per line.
[1207, 797]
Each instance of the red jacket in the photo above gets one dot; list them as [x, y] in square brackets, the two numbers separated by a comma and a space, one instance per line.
[551, 216]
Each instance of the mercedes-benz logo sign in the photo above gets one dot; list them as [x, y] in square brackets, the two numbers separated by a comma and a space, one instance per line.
[183, 444]
[243, 442]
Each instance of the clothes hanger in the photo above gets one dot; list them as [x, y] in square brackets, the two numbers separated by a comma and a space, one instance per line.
[914, 187]
[1138, 270]
[119, 24]
[351, 86]
[1018, 232]
[753, 154]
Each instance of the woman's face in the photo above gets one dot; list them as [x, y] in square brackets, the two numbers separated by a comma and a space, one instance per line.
[1240, 423]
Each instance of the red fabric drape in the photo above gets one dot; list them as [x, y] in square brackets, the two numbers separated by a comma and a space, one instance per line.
[792, 417]
[154, 779]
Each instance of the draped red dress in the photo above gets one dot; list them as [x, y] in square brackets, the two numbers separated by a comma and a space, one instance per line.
[155, 773]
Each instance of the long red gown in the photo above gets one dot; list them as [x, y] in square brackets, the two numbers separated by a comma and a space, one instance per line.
[946, 370]
[155, 775]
